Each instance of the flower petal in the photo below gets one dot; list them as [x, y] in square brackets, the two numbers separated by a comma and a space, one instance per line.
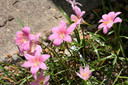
[117, 20]
[82, 13]
[62, 26]
[74, 18]
[31, 37]
[46, 78]
[44, 57]
[105, 17]
[79, 75]
[101, 20]
[43, 66]
[55, 29]
[57, 41]
[109, 25]
[29, 57]
[26, 30]
[21, 47]
[19, 34]
[37, 37]
[101, 26]
[105, 30]
[34, 70]
[53, 36]
[68, 38]
[81, 70]
[38, 48]
[71, 28]
[77, 11]
[28, 64]
[86, 69]
[34, 83]
[27, 46]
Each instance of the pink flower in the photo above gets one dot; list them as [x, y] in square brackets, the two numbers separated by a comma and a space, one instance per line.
[108, 20]
[41, 80]
[84, 73]
[36, 61]
[73, 3]
[61, 34]
[78, 17]
[33, 45]
[23, 39]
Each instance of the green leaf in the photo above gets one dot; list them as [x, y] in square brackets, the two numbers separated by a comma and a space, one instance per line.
[117, 78]
[20, 22]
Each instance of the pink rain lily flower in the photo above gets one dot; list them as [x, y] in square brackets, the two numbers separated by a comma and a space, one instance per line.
[85, 74]
[108, 20]
[23, 39]
[36, 61]
[73, 3]
[78, 17]
[41, 80]
[33, 45]
[61, 34]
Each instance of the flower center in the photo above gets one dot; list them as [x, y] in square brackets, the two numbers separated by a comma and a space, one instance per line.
[85, 74]
[23, 38]
[61, 34]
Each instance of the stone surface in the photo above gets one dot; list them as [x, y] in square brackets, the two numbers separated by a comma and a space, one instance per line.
[39, 15]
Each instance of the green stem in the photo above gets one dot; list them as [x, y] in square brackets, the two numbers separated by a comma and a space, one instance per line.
[86, 82]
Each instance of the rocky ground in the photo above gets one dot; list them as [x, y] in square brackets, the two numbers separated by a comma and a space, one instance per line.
[39, 15]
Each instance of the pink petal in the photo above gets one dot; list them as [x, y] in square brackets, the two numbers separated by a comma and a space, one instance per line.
[117, 13]
[57, 41]
[55, 29]
[38, 48]
[105, 17]
[77, 11]
[101, 20]
[78, 22]
[44, 57]
[34, 83]
[62, 26]
[26, 30]
[28, 64]
[109, 25]
[27, 46]
[31, 37]
[41, 75]
[117, 20]
[82, 13]
[81, 70]
[105, 30]
[86, 69]
[21, 47]
[74, 18]
[37, 54]
[101, 26]
[46, 83]
[90, 74]
[34, 70]
[43, 66]
[18, 34]
[53, 36]
[37, 37]
[46, 78]
[80, 75]
[71, 28]
[29, 57]
[67, 38]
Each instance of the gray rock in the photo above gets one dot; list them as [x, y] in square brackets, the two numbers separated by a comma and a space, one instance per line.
[15, 57]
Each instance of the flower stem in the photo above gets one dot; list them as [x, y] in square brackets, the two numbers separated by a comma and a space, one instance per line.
[86, 82]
